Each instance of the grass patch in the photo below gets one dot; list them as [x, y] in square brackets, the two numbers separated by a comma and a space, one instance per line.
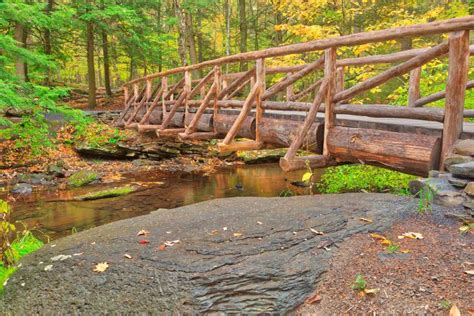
[106, 193]
[355, 178]
[81, 178]
[22, 246]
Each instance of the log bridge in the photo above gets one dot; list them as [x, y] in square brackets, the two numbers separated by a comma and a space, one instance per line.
[308, 106]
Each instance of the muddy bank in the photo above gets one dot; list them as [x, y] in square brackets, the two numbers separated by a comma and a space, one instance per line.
[237, 254]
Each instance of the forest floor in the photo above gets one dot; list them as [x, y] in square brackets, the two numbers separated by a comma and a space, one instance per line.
[425, 276]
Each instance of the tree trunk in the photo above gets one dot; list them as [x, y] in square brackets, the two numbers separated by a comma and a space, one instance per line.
[159, 32]
[20, 65]
[227, 30]
[182, 32]
[243, 32]
[255, 26]
[47, 40]
[90, 65]
[105, 51]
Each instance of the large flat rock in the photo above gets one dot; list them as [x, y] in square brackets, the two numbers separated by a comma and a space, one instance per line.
[267, 260]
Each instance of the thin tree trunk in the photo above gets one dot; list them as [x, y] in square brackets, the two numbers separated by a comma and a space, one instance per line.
[20, 65]
[182, 32]
[159, 32]
[227, 31]
[105, 51]
[243, 32]
[200, 43]
[48, 49]
[90, 65]
[255, 26]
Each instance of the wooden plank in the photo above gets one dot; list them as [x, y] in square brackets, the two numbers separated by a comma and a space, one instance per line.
[330, 76]
[194, 122]
[217, 81]
[339, 80]
[201, 83]
[414, 87]
[236, 83]
[312, 87]
[199, 136]
[455, 91]
[410, 153]
[393, 72]
[299, 163]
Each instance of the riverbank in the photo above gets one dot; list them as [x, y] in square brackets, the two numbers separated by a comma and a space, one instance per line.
[238, 254]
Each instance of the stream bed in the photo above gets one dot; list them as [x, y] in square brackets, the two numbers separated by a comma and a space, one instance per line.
[54, 219]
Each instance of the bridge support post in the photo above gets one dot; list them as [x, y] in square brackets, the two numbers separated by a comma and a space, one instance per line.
[414, 87]
[330, 76]
[455, 91]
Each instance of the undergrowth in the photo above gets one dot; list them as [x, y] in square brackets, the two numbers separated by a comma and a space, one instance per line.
[355, 178]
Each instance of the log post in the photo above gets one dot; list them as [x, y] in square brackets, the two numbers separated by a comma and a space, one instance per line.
[217, 81]
[164, 87]
[125, 96]
[455, 90]
[414, 87]
[260, 82]
[187, 92]
[330, 76]
[339, 80]
[289, 91]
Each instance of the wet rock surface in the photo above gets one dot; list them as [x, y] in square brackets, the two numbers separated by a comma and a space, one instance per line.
[251, 255]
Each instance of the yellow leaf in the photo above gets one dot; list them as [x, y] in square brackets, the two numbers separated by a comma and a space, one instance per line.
[127, 256]
[317, 232]
[366, 220]
[307, 177]
[386, 242]
[454, 311]
[470, 272]
[377, 236]
[101, 267]
[237, 234]
[371, 291]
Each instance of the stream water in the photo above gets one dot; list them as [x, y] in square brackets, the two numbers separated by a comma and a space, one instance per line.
[60, 218]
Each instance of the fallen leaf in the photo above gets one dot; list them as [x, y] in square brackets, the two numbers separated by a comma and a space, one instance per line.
[143, 232]
[454, 311]
[127, 256]
[367, 220]
[371, 291]
[224, 228]
[101, 267]
[237, 234]
[405, 251]
[214, 232]
[259, 223]
[60, 257]
[315, 298]
[386, 242]
[162, 247]
[377, 236]
[470, 272]
[49, 267]
[170, 243]
[411, 235]
[317, 232]
[143, 242]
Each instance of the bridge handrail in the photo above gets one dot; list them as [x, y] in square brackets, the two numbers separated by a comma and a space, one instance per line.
[432, 28]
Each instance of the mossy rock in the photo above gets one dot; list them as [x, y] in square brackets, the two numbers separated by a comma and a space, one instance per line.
[261, 156]
[113, 192]
[82, 178]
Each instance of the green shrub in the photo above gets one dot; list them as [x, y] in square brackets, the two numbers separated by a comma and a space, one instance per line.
[355, 178]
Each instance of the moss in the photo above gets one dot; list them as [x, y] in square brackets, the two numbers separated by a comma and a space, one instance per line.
[81, 178]
[355, 178]
[23, 246]
[106, 193]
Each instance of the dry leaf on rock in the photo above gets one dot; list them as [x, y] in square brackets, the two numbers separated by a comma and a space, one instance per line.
[377, 236]
[317, 232]
[371, 291]
[170, 243]
[470, 272]
[237, 234]
[162, 247]
[367, 220]
[101, 267]
[127, 256]
[143, 232]
[143, 242]
[411, 235]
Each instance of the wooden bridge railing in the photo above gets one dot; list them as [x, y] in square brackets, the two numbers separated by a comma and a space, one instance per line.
[169, 107]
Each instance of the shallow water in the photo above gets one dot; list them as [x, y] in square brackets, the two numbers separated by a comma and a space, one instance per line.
[58, 219]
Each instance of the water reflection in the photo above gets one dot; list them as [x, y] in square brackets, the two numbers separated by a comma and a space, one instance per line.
[58, 219]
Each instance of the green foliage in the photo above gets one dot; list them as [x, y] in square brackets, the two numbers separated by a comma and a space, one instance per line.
[287, 193]
[393, 248]
[360, 283]
[446, 304]
[81, 178]
[426, 198]
[11, 251]
[355, 178]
